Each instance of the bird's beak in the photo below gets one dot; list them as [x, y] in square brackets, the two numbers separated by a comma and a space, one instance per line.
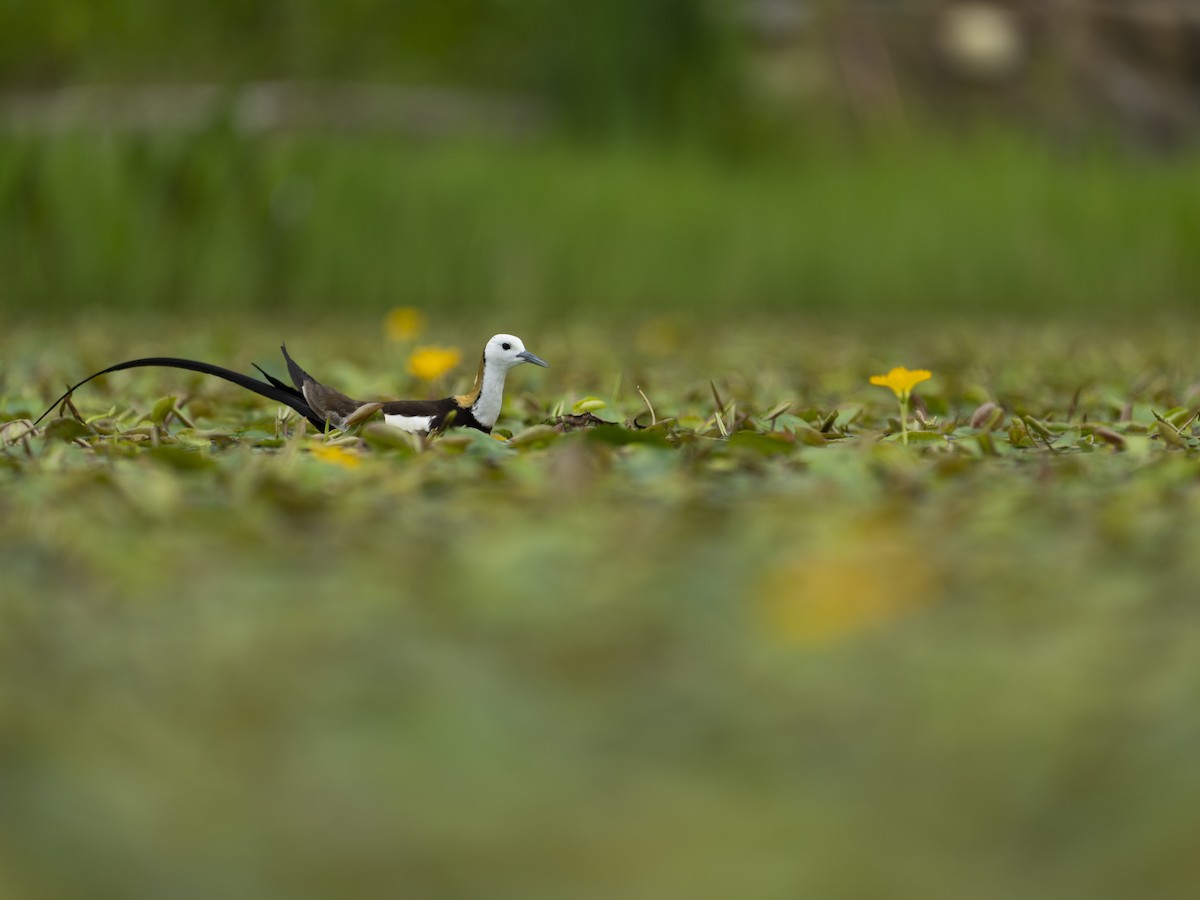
[529, 357]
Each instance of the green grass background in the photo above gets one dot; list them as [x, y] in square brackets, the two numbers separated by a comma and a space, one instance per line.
[215, 223]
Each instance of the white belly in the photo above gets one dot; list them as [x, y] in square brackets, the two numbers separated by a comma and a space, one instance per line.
[411, 424]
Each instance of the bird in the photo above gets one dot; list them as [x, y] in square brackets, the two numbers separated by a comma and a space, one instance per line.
[326, 407]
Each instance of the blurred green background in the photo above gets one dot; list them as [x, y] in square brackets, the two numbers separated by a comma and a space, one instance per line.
[571, 667]
[607, 158]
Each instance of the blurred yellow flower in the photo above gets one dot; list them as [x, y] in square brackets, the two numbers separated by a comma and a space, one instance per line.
[902, 380]
[429, 363]
[336, 456]
[404, 323]
[853, 586]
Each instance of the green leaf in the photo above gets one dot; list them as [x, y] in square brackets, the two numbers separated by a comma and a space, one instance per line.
[382, 436]
[772, 444]
[162, 409]
[588, 404]
[535, 436]
[926, 437]
[180, 458]
[1038, 427]
[917, 437]
[619, 436]
[66, 429]
[806, 434]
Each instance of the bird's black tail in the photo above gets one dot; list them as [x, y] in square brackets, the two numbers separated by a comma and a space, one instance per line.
[276, 382]
[275, 390]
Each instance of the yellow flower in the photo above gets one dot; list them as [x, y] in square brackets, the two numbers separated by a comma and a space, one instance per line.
[404, 323]
[336, 456]
[429, 363]
[902, 380]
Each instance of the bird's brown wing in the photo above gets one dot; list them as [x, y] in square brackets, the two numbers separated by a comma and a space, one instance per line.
[328, 403]
[331, 405]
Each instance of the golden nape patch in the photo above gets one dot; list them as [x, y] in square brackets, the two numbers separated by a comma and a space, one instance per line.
[467, 400]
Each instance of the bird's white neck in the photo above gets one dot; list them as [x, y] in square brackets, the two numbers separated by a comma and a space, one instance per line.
[486, 408]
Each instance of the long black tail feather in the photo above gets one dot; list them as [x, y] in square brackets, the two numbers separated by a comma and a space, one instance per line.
[274, 391]
[276, 382]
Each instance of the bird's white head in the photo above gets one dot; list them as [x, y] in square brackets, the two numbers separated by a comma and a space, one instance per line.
[506, 350]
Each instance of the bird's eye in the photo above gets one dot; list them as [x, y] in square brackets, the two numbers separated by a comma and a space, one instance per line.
[506, 345]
